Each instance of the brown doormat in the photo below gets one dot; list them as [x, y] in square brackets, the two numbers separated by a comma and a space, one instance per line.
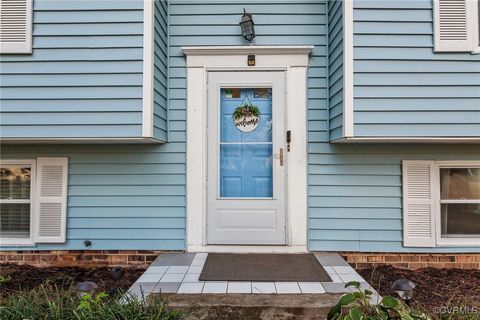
[263, 267]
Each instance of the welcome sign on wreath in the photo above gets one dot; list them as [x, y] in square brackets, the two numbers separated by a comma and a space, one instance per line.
[246, 117]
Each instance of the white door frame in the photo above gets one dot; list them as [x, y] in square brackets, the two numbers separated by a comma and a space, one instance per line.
[294, 61]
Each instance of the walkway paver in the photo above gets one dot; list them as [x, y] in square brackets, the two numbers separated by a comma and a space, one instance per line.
[180, 272]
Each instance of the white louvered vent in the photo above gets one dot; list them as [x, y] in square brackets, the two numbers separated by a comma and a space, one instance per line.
[51, 200]
[454, 25]
[15, 26]
[418, 204]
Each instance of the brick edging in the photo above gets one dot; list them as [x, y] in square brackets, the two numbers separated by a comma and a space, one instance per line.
[361, 260]
[80, 257]
[358, 260]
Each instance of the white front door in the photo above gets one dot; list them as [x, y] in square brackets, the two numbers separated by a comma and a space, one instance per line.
[246, 158]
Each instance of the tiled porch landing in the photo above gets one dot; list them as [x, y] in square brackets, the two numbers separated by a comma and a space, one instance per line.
[179, 273]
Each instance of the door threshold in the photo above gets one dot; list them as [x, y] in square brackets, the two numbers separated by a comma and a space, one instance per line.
[247, 249]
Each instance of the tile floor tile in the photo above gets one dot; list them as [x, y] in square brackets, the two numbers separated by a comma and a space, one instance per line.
[335, 277]
[215, 287]
[195, 269]
[198, 262]
[156, 269]
[347, 277]
[263, 287]
[174, 259]
[147, 287]
[343, 269]
[172, 277]
[191, 277]
[311, 287]
[239, 287]
[195, 287]
[150, 277]
[329, 269]
[334, 287]
[177, 269]
[287, 287]
[166, 287]
[331, 260]
[200, 255]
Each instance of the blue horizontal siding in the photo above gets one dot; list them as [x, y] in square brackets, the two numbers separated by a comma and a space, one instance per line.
[335, 69]
[120, 196]
[133, 197]
[84, 77]
[401, 86]
[160, 111]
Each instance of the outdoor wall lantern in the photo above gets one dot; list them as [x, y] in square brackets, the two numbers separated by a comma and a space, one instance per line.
[247, 25]
[404, 288]
[87, 287]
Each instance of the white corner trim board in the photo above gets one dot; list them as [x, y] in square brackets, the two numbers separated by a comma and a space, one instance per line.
[148, 68]
[348, 69]
[293, 60]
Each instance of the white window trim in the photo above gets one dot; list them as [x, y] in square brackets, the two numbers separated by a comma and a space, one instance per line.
[445, 242]
[26, 241]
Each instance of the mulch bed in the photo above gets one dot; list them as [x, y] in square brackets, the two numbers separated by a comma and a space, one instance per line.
[435, 288]
[24, 277]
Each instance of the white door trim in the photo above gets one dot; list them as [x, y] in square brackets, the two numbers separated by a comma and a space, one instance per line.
[293, 60]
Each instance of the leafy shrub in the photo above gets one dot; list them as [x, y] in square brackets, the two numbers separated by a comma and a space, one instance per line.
[357, 306]
[48, 302]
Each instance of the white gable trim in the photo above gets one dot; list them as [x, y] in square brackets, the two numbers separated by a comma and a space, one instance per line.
[148, 68]
[291, 59]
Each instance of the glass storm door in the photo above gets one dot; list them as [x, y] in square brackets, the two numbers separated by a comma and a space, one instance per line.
[246, 158]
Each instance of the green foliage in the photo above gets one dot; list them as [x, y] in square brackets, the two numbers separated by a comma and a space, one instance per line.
[49, 302]
[5, 279]
[246, 110]
[357, 306]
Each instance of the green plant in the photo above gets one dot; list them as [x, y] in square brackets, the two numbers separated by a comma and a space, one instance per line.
[357, 306]
[246, 110]
[50, 302]
[5, 279]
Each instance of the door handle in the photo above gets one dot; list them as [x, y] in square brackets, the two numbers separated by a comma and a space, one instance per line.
[281, 157]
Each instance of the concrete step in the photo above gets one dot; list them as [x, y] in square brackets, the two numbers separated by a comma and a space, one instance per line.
[251, 306]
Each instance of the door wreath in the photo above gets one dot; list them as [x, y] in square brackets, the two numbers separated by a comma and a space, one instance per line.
[246, 117]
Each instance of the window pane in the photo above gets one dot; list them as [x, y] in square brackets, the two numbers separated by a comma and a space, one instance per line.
[460, 183]
[461, 219]
[246, 170]
[15, 182]
[15, 220]
[262, 99]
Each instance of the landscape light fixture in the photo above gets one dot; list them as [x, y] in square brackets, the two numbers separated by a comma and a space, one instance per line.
[247, 25]
[86, 287]
[404, 288]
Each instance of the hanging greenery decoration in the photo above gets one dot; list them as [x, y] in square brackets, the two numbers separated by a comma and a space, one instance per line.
[246, 117]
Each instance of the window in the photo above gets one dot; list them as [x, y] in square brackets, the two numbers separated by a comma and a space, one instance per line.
[33, 202]
[457, 24]
[460, 202]
[16, 26]
[16, 198]
[441, 203]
